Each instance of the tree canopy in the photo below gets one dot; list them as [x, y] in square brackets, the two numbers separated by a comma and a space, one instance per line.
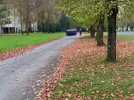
[89, 12]
[3, 13]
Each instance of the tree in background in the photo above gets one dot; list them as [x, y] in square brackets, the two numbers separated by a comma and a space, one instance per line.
[100, 31]
[3, 13]
[126, 17]
[90, 12]
[64, 22]
[39, 15]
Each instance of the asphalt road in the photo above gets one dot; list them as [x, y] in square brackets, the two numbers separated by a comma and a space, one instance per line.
[125, 33]
[22, 77]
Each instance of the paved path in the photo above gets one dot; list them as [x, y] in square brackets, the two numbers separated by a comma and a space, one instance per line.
[22, 77]
[125, 33]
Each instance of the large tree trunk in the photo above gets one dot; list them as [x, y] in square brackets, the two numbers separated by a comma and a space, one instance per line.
[92, 31]
[100, 30]
[111, 53]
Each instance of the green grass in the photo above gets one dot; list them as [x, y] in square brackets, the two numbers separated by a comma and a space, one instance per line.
[98, 80]
[123, 37]
[94, 78]
[8, 43]
[105, 83]
[126, 37]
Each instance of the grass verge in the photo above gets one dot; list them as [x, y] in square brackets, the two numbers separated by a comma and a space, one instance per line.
[89, 77]
[125, 37]
[8, 43]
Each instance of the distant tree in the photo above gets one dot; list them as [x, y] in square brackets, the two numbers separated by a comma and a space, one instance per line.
[4, 19]
[90, 12]
[126, 17]
[86, 13]
[64, 22]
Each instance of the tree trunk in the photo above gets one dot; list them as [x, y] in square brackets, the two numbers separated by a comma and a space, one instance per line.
[28, 28]
[92, 31]
[111, 56]
[28, 24]
[28, 18]
[21, 28]
[100, 30]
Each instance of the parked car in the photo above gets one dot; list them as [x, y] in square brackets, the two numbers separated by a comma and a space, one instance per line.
[71, 32]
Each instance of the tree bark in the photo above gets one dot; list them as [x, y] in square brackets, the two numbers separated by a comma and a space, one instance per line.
[111, 53]
[28, 18]
[100, 31]
[92, 31]
[28, 27]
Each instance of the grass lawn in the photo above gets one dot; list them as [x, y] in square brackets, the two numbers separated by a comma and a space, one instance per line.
[89, 77]
[8, 43]
[126, 37]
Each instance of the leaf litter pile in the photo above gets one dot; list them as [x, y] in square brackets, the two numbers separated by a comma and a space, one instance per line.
[17, 52]
[83, 73]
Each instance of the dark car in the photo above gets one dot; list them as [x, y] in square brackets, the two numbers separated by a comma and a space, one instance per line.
[71, 32]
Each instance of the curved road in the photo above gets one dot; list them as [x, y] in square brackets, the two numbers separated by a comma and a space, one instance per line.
[21, 77]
